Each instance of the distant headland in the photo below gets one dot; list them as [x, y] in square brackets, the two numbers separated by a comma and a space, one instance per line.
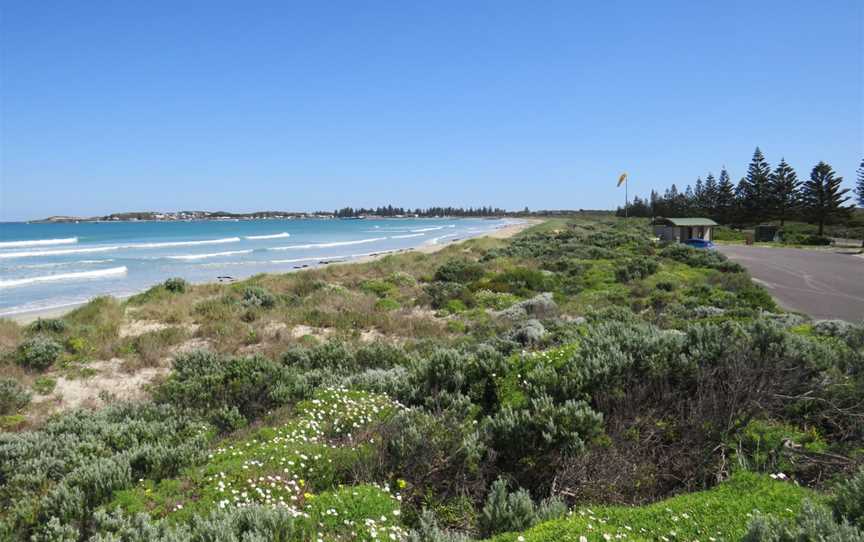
[388, 211]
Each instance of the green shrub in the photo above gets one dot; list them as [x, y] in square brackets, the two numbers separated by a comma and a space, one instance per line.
[428, 531]
[455, 306]
[761, 445]
[520, 281]
[799, 238]
[77, 345]
[378, 287]
[386, 304]
[814, 523]
[228, 419]
[541, 427]
[44, 385]
[38, 353]
[439, 293]
[461, 271]
[849, 500]
[175, 285]
[47, 325]
[495, 300]
[401, 278]
[504, 511]
[665, 285]
[336, 358]
[723, 233]
[635, 269]
[78, 459]
[539, 306]
[694, 257]
[13, 397]
[153, 345]
[432, 451]
[456, 326]
[258, 296]
[205, 382]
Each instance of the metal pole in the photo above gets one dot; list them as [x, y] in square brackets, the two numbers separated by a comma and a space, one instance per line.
[626, 196]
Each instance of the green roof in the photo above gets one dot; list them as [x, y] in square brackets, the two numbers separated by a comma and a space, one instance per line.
[686, 221]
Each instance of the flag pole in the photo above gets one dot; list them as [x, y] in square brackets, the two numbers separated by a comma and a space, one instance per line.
[623, 179]
[626, 198]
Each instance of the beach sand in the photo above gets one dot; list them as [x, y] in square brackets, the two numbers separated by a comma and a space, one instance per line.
[500, 233]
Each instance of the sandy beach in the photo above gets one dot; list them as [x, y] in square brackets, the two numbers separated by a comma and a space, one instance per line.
[500, 233]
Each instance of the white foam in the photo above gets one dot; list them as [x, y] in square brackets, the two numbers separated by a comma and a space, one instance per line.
[211, 255]
[183, 243]
[310, 259]
[378, 253]
[62, 252]
[333, 244]
[100, 273]
[436, 228]
[408, 236]
[435, 240]
[59, 264]
[38, 242]
[274, 236]
[40, 307]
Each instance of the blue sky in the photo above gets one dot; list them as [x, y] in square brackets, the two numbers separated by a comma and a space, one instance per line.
[115, 106]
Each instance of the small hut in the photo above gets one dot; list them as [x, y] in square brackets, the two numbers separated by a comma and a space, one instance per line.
[681, 229]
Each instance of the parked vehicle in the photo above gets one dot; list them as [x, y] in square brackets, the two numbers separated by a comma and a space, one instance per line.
[700, 243]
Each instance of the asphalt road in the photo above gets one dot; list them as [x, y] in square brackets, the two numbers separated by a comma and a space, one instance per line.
[821, 284]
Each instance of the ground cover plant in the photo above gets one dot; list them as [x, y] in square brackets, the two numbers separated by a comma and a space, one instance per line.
[578, 380]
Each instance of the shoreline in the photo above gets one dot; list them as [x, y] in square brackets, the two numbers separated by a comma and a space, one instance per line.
[504, 232]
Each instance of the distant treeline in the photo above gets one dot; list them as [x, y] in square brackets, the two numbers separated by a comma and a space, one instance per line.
[351, 212]
[762, 194]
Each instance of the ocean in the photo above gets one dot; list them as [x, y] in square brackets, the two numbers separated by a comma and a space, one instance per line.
[50, 266]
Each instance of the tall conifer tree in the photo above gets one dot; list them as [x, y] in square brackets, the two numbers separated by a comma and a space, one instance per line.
[725, 197]
[784, 190]
[821, 196]
[755, 188]
[859, 188]
[709, 196]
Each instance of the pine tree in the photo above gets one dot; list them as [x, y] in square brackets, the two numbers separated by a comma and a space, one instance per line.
[860, 184]
[699, 196]
[755, 188]
[688, 201]
[821, 196]
[784, 190]
[709, 196]
[725, 202]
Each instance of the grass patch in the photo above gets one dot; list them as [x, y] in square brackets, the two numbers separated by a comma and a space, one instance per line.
[721, 513]
[286, 465]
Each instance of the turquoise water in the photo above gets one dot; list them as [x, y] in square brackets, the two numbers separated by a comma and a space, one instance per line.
[46, 266]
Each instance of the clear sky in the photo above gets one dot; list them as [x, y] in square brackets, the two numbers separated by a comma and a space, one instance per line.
[117, 106]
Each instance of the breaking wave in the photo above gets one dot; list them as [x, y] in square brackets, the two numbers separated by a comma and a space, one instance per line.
[407, 236]
[62, 252]
[274, 236]
[435, 240]
[183, 243]
[436, 228]
[60, 264]
[100, 273]
[333, 244]
[38, 242]
[211, 255]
